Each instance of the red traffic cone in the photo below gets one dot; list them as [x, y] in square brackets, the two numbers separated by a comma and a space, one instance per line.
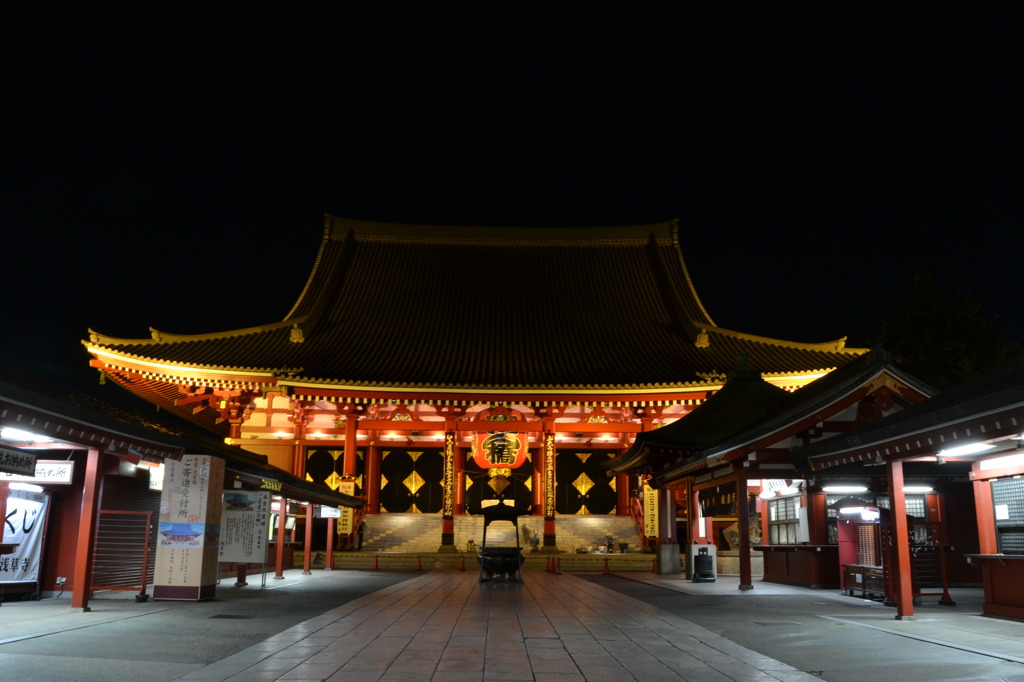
[462, 563]
[375, 562]
[606, 570]
[419, 563]
[551, 565]
[558, 567]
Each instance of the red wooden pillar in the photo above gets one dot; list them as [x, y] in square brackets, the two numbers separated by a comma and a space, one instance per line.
[372, 478]
[331, 530]
[282, 520]
[538, 481]
[460, 480]
[348, 465]
[307, 562]
[622, 483]
[817, 518]
[902, 579]
[986, 518]
[82, 585]
[743, 511]
[299, 419]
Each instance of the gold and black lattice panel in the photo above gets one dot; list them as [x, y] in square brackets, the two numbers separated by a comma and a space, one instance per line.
[412, 480]
[324, 465]
[581, 486]
[480, 485]
[867, 544]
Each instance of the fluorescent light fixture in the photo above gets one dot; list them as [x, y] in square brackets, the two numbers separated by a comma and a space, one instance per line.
[865, 513]
[845, 488]
[1001, 462]
[27, 487]
[917, 489]
[969, 449]
[7, 433]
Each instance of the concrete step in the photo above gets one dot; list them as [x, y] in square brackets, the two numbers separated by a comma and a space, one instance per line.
[411, 561]
[422, 532]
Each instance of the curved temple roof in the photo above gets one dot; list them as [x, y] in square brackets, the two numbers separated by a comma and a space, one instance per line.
[419, 306]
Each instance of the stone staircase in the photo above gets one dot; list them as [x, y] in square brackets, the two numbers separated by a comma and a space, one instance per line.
[421, 533]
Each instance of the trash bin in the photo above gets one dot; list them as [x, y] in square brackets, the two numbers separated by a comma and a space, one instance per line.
[703, 566]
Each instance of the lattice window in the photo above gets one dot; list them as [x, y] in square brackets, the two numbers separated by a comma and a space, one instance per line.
[783, 520]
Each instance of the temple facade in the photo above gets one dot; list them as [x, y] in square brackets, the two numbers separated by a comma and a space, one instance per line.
[434, 370]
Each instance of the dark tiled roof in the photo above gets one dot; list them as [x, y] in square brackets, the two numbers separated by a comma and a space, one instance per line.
[997, 395]
[816, 396]
[748, 409]
[53, 409]
[456, 307]
[745, 400]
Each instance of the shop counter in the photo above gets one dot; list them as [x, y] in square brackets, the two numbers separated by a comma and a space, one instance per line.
[815, 566]
[1003, 577]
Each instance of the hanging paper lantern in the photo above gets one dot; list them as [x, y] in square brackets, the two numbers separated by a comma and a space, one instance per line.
[499, 450]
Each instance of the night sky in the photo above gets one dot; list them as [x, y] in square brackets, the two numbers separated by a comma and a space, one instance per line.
[168, 166]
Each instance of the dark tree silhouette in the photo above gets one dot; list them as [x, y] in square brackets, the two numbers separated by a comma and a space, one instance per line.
[942, 337]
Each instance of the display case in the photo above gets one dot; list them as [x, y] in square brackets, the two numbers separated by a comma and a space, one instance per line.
[864, 580]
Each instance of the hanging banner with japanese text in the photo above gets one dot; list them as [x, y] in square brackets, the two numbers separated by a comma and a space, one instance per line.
[26, 519]
[347, 487]
[244, 527]
[650, 511]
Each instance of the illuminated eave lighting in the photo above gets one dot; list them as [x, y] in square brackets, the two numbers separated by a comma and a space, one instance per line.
[27, 487]
[917, 489]
[1001, 462]
[845, 488]
[963, 450]
[865, 513]
[19, 436]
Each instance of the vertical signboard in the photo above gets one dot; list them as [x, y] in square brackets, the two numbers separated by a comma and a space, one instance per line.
[345, 520]
[244, 527]
[650, 511]
[26, 518]
[189, 529]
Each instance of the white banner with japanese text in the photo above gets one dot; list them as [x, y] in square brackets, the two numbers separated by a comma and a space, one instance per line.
[26, 519]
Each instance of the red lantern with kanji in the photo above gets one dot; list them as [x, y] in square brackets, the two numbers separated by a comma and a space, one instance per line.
[499, 449]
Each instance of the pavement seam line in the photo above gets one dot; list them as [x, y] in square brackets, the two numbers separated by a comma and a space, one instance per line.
[930, 640]
[44, 633]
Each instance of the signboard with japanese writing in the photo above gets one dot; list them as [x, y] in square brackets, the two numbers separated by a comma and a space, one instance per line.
[345, 520]
[650, 511]
[47, 472]
[719, 500]
[17, 461]
[26, 519]
[244, 527]
[188, 534]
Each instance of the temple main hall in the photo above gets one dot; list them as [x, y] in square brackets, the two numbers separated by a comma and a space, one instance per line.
[435, 370]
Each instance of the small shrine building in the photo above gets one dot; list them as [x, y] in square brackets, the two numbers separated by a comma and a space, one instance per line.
[432, 369]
